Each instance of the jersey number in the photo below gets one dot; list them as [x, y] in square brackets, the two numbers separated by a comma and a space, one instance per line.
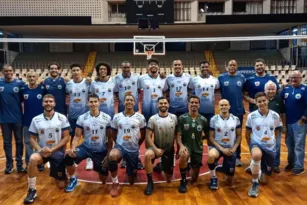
[226, 134]
[94, 132]
[266, 132]
[50, 135]
[126, 130]
[178, 89]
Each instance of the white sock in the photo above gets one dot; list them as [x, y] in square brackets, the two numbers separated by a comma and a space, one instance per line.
[255, 180]
[32, 183]
[115, 179]
[212, 173]
[73, 176]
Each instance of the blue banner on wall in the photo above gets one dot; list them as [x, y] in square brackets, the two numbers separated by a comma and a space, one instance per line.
[246, 71]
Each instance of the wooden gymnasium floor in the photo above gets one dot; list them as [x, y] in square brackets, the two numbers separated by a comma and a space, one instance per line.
[282, 189]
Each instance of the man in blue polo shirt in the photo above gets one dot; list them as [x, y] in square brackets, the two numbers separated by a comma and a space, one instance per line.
[32, 95]
[255, 83]
[231, 84]
[11, 117]
[295, 99]
[56, 86]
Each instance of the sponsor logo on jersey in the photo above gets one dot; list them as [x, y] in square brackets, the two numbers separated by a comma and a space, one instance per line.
[239, 83]
[257, 83]
[94, 138]
[226, 139]
[199, 128]
[50, 142]
[205, 94]
[186, 126]
[26, 96]
[178, 93]
[154, 95]
[128, 93]
[1, 89]
[126, 138]
[298, 96]
[16, 89]
[226, 83]
[59, 87]
[102, 99]
[77, 100]
[265, 139]
[39, 96]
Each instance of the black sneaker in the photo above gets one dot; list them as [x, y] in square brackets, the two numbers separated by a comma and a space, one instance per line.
[158, 168]
[276, 169]
[20, 169]
[8, 170]
[288, 168]
[298, 171]
[183, 187]
[140, 165]
[149, 188]
[30, 196]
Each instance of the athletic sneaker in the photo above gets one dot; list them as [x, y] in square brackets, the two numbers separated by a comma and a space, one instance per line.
[276, 169]
[253, 192]
[289, 167]
[213, 183]
[73, 183]
[123, 164]
[239, 163]
[30, 196]
[140, 165]
[20, 169]
[8, 170]
[298, 171]
[114, 191]
[149, 188]
[183, 186]
[89, 164]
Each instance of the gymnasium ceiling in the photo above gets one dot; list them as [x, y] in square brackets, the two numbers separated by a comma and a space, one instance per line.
[127, 31]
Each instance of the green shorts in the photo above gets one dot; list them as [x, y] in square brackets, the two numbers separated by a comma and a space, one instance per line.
[196, 158]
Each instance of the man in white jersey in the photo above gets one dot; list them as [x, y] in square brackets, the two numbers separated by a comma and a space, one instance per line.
[49, 135]
[262, 129]
[127, 127]
[163, 126]
[152, 86]
[95, 126]
[204, 86]
[176, 86]
[225, 136]
[103, 86]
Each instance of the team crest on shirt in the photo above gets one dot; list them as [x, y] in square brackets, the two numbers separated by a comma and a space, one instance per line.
[133, 126]
[239, 83]
[186, 126]
[83, 90]
[286, 95]
[147, 86]
[59, 87]
[47, 87]
[57, 129]
[298, 96]
[184, 84]
[120, 86]
[257, 128]
[257, 83]
[26, 96]
[16, 89]
[1, 89]
[159, 87]
[87, 128]
[271, 128]
[232, 129]
[212, 86]
[109, 90]
[133, 82]
[199, 128]
[97, 90]
[39, 96]
[218, 129]
[226, 83]
[42, 132]
[101, 127]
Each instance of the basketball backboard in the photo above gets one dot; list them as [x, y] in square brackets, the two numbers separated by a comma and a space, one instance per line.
[149, 48]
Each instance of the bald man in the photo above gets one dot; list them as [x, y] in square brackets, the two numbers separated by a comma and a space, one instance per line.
[295, 98]
[231, 84]
[225, 136]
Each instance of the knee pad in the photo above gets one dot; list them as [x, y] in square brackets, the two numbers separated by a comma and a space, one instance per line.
[112, 166]
[255, 166]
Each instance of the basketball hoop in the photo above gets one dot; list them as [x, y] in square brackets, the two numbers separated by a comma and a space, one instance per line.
[149, 54]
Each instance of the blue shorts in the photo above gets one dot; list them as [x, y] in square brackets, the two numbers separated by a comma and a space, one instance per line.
[132, 159]
[84, 153]
[229, 162]
[57, 165]
[267, 160]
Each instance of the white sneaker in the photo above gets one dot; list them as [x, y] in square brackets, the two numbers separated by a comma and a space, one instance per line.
[89, 164]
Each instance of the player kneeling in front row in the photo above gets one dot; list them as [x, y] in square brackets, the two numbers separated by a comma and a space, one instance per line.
[163, 127]
[262, 128]
[95, 126]
[191, 127]
[126, 126]
[49, 133]
[225, 136]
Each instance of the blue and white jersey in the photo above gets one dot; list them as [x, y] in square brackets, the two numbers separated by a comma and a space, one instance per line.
[295, 100]
[232, 90]
[127, 86]
[178, 92]
[263, 129]
[104, 90]
[204, 88]
[225, 130]
[152, 90]
[10, 101]
[78, 93]
[94, 130]
[128, 128]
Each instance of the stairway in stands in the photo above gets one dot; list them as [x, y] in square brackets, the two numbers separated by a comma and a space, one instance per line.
[213, 67]
[90, 64]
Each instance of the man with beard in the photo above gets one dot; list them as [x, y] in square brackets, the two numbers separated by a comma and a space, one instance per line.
[103, 86]
[176, 87]
[204, 87]
[231, 84]
[255, 83]
[152, 86]
[189, 138]
[95, 126]
[11, 117]
[225, 136]
[163, 127]
[262, 127]
[32, 101]
[127, 127]
[56, 86]
[49, 134]
[295, 99]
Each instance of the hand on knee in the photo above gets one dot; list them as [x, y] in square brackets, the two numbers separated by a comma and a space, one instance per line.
[255, 166]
